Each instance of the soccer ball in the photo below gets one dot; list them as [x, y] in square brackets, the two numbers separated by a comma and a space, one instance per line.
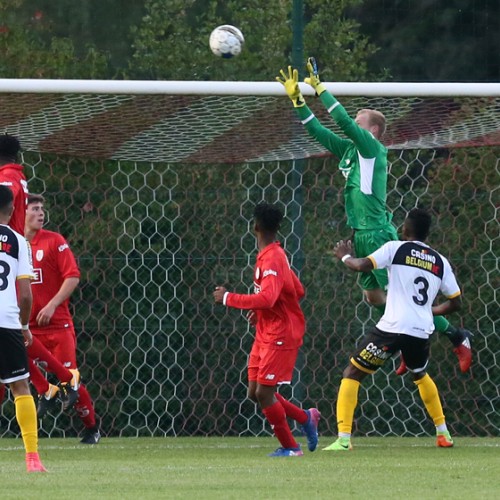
[226, 41]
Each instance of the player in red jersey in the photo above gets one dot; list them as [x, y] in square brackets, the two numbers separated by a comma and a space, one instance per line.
[12, 175]
[56, 277]
[275, 311]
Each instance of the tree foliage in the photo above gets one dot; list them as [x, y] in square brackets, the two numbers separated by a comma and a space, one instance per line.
[28, 48]
[172, 40]
[432, 40]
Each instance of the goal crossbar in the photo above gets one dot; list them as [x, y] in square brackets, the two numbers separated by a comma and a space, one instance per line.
[179, 87]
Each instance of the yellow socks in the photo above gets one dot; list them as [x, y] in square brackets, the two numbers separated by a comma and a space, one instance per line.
[430, 396]
[27, 420]
[346, 404]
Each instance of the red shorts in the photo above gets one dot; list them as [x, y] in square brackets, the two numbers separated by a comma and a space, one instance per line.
[271, 366]
[61, 343]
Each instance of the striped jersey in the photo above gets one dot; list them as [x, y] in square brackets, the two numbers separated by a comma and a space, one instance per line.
[417, 273]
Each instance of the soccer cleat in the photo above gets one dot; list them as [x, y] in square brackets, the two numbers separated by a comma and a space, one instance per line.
[91, 436]
[342, 444]
[70, 390]
[33, 463]
[310, 428]
[443, 440]
[402, 368]
[464, 349]
[287, 452]
[48, 401]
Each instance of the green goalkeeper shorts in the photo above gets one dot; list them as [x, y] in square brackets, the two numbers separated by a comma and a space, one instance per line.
[366, 241]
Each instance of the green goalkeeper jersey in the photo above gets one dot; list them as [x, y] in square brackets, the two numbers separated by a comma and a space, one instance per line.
[363, 162]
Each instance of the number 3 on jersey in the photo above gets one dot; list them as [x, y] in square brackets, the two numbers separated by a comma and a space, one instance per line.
[422, 298]
[4, 273]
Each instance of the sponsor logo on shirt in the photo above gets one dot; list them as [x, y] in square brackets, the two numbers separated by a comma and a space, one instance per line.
[5, 247]
[61, 248]
[257, 273]
[39, 255]
[267, 272]
[38, 279]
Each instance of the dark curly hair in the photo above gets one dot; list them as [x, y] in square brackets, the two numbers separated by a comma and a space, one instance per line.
[9, 147]
[419, 223]
[268, 217]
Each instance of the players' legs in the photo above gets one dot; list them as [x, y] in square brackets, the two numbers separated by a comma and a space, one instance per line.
[430, 397]
[460, 338]
[85, 408]
[416, 353]
[42, 349]
[25, 414]
[347, 400]
[292, 411]
[252, 388]
[40, 383]
[14, 371]
[64, 349]
[266, 369]
[39, 351]
[275, 414]
[373, 351]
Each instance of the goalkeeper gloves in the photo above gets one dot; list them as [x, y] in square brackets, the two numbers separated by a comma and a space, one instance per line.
[313, 79]
[291, 84]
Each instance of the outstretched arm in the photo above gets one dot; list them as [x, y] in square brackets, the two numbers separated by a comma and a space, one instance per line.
[323, 135]
[364, 140]
[270, 289]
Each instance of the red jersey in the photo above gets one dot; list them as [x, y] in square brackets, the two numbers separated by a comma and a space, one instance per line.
[277, 291]
[12, 175]
[53, 262]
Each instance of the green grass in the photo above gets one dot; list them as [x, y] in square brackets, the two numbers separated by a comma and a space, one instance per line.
[238, 468]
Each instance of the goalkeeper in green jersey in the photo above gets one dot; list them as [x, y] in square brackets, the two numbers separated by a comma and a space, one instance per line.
[363, 162]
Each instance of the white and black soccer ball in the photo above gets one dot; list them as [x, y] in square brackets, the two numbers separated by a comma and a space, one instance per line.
[226, 41]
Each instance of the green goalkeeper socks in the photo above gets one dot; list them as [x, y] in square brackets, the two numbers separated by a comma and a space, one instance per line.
[442, 325]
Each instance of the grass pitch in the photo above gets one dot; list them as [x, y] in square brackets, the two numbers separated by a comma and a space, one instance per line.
[238, 468]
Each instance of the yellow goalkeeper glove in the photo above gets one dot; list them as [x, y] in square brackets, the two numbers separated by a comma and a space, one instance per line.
[291, 84]
[313, 79]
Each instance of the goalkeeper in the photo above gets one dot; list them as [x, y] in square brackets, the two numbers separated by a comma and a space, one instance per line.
[363, 162]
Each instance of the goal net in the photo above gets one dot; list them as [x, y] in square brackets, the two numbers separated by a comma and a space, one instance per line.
[154, 183]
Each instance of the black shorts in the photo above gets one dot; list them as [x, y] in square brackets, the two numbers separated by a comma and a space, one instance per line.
[376, 347]
[13, 357]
